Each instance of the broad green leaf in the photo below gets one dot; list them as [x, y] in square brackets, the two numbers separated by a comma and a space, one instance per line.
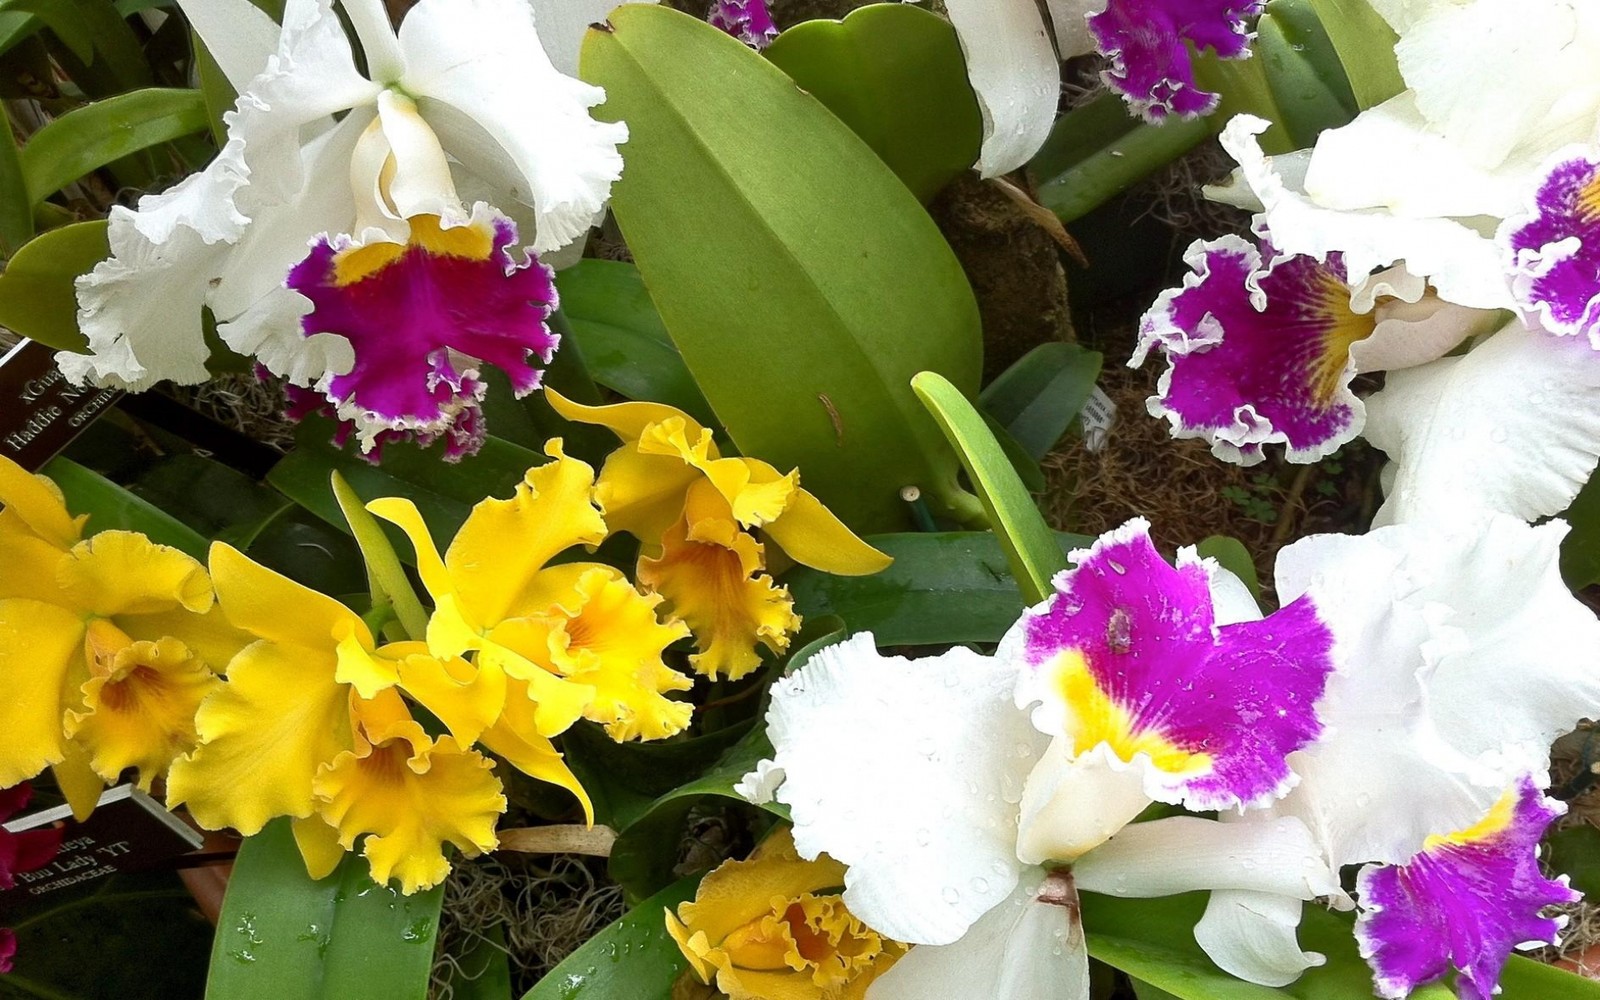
[633, 959]
[943, 588]
[1580, 550]
[1365, 44]
[1097, 151]
[87, 138]
[342, 938]
[37, 298]
[1232, 555]
[624, 343]
[1575, 851]
[15, 26]
[140, 928]
[1029, 545]
[60, 17]
[109, 506]
[801, 280]
[1037, 398]
[16, 211]
[1303, 70]
[896, 76]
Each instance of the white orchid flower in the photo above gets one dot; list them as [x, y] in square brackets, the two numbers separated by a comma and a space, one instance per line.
[467, 92]
[971, 797]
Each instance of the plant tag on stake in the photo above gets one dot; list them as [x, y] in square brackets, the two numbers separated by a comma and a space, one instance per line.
[40, 411]
[1096, 418]
[129, 831]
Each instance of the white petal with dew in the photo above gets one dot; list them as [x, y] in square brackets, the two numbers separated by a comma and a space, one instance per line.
[1511, 426]
[1012, 67]
[1252, 936]
[909, 773]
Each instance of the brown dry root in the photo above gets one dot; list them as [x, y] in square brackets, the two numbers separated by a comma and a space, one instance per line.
[546, 906]
[250, 405]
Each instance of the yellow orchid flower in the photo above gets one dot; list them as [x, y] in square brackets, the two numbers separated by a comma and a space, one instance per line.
[311, 724]
[773, 928]
[571, 641]
[694, 511]
[107, 645]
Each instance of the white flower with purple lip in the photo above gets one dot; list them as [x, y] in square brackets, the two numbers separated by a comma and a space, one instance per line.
[1013, 781]
[1553, 251]
[367, 167]
[1013, 61]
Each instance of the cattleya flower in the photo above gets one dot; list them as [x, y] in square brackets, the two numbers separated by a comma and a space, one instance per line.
[695, 511]
[1261, 347]
[773, 927]
[554, 643]
[20, 852]
[409, 289]
[1135, 683]
[1439, 719]
[747, 20]
[1013, 62]
[107, 644]
[311, 724]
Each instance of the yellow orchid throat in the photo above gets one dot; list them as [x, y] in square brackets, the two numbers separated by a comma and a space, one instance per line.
[108, 642]
[768, 927]
[695, 511]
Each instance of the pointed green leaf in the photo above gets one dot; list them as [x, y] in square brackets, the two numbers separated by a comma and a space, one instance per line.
[37, 295]
[1037, 398]
[800, 279]
[87, 138]
[1365, 44]
[109, 506]
[16, 210]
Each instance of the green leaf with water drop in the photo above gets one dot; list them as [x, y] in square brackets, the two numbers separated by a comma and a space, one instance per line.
[634, 958]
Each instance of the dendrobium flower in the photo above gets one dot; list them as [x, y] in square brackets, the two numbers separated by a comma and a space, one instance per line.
[553, 643]
[20, 852]
[1013, 62]
[772, 927]
[1261, 347]
[107, 644]
[695, 513]
[1554, 251]
[409, 288]
[1133, 684]
[747, 20]
[311, 724]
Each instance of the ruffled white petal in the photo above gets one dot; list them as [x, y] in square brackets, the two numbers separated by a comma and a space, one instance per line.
[562, 24]
[909, 773]
[1012, 67]
[1511, 426]
[1252, 935]
[1023, 949]
[202, 203]
[1180, 854]
[1462, 262]
[483, 58]
[238, 34]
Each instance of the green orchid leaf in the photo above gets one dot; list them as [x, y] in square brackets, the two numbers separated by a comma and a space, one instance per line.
[1303, 70]
[281, 934]
[896, 76]
[1580, 550]
[16, 211]
[1365, 46]
[635, 958]
[109, 507]
[37, 297]
[61, 17]
[942, 588]
[622, 338]
[87, 138]
[802, 318]
[1039, 396]
[1029, 545]
[1575, 851]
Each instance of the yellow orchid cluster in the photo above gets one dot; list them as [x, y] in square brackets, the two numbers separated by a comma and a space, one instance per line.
[695, 513]
[313, 722]
[773, 927]
[107, 645]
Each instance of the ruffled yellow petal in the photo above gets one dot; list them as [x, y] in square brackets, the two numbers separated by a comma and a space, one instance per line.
[409, 796]
[504, 543]
[41, 668]
[404, 515]
[813, 536]
[125, 573]
[36, 502]
[319, 846]
[140, 707]
[263, 735]
[274, 607]
[724, 598]
[612, 640]
[627, 421]
[642, 494]
[756, 492]
[450, 633]
[514, 737]
[520, 649]
[210, 636]
[467, 698]
[361, 667]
